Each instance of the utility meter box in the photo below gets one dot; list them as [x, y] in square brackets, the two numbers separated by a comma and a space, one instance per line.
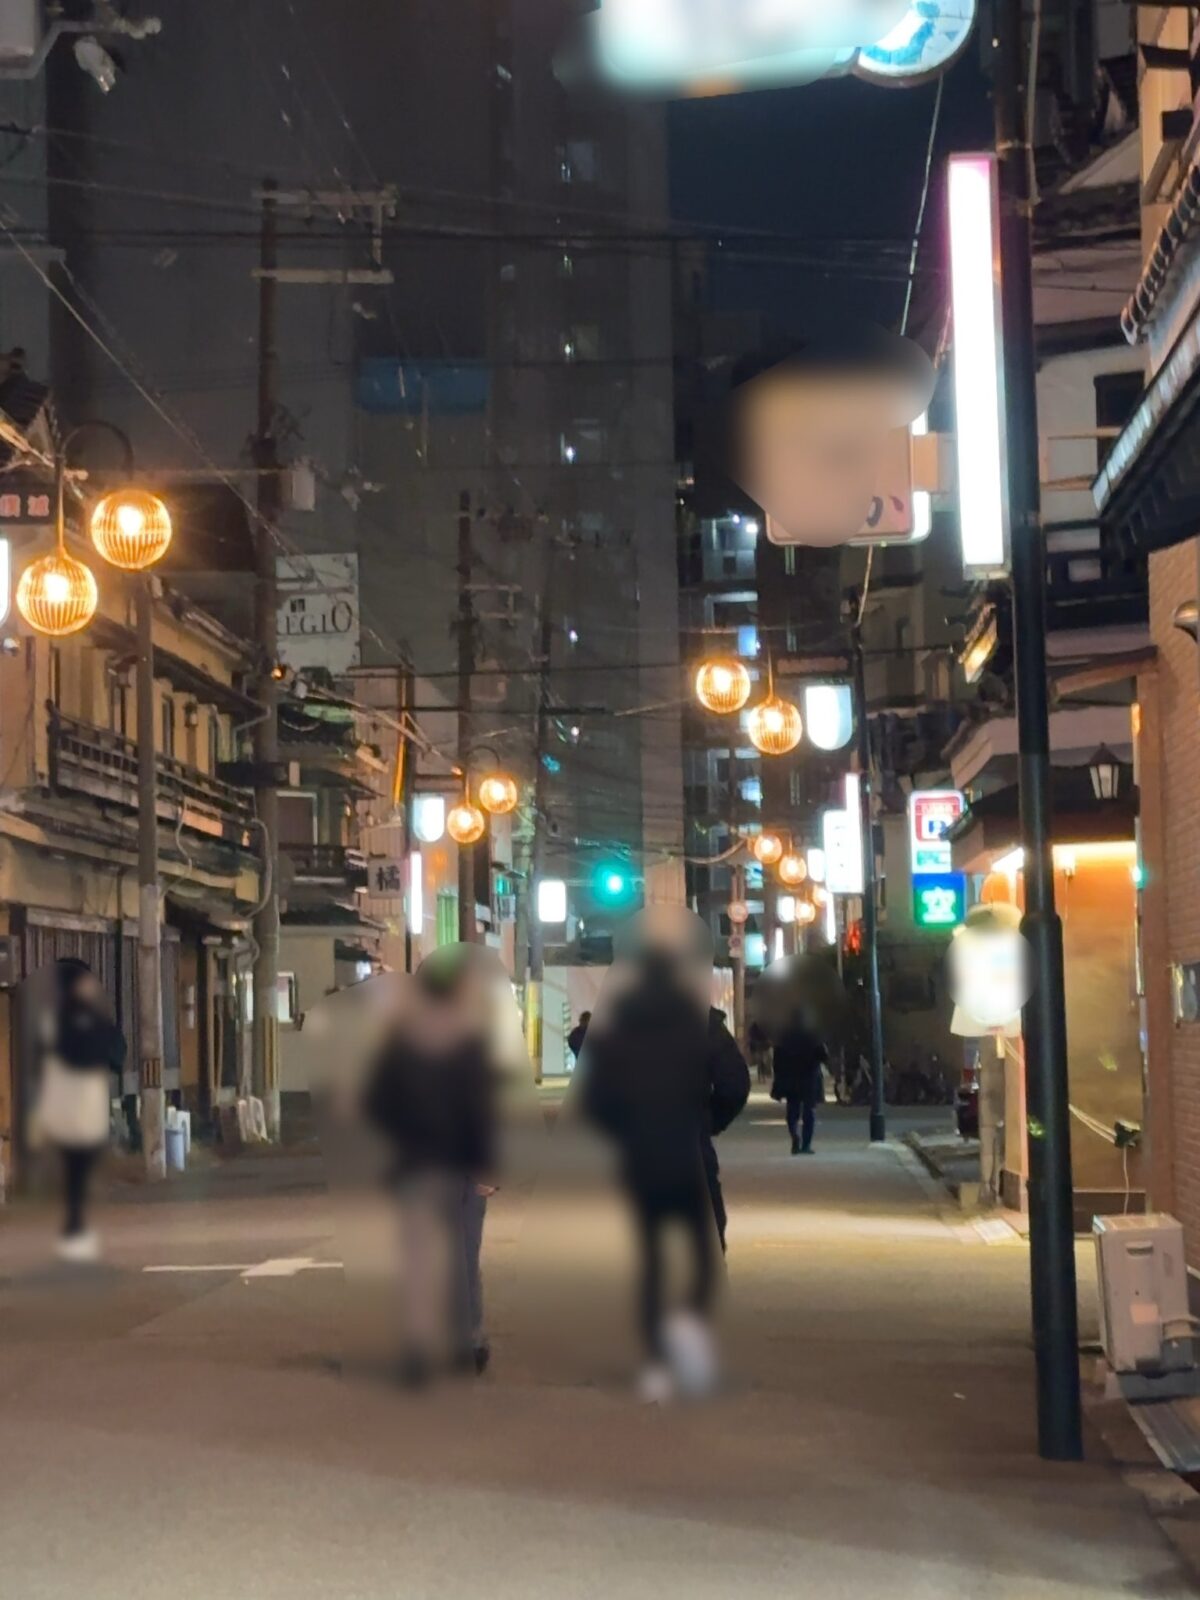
[1142, 1279]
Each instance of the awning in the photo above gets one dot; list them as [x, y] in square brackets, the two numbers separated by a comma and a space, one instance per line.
[993, 821]
[179, 673]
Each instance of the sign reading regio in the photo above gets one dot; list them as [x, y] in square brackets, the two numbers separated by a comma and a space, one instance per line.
[317, 621]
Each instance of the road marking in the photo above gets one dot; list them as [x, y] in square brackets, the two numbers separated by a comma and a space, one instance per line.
[276, 1267]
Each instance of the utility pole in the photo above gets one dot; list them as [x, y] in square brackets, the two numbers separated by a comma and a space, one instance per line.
[738, 941]
[149, 969]
[405, 794]
[465, 628]
[870, 891]
[537, 853]
[1044, 1023]
[266, 730]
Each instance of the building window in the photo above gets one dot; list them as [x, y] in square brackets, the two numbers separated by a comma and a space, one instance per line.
[288, 1005]
[1117, 397]
[214, 742]
[789, 560]
[118, 704]
[168, 725]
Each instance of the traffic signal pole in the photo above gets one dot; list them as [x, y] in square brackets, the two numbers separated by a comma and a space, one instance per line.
[1051, 1212]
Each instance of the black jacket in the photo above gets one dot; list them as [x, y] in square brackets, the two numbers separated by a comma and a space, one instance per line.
[797, 1061]
[728, 1075]
[576, 1038]
[86, 1035]
[436, 1110]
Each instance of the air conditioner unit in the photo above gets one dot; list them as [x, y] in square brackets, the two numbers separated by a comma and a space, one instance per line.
[1142, 1279]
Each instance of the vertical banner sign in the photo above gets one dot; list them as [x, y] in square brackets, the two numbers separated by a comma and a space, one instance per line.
[841, 837]
[978, 365]
[317, 623]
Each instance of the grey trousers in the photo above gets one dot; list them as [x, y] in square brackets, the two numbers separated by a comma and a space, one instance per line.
[442, 1236]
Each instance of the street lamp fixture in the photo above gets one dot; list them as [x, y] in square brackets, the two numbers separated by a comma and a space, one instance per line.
[57, 595]
[738, 913]
[806, 912]
[1105, 771]
[723, 685]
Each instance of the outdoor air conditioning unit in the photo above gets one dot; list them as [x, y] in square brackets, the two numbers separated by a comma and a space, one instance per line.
[1145, 1327]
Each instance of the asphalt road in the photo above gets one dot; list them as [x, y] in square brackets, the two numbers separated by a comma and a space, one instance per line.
[186, 1433]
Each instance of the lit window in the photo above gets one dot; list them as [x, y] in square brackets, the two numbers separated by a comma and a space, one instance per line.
[747, 641]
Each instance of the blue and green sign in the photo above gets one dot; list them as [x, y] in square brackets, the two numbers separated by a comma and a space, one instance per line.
[939, 899]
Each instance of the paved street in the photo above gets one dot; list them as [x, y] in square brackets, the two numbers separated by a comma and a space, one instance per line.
[183, 1433]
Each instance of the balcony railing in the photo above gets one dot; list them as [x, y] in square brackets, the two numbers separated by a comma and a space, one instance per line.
[328, 864]
[85, 759]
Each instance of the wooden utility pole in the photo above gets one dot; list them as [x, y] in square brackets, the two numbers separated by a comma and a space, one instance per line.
[534, 1010]
[149, 967]
[265, 1056]
[738, 933]
[465, 628]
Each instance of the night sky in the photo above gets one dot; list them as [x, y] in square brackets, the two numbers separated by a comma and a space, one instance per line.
[834, 161]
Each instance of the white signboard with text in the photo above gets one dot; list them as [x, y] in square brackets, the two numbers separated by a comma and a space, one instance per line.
[318, 615]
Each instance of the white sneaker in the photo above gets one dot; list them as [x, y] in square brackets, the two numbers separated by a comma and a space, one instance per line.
[692, 1353]
[655, 1386]
[78, 1247]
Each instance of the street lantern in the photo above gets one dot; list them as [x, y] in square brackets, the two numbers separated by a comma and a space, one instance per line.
[738, 913]
[806, 912]
[766, 848]
[498, 793]
[57, 595]
[466, 823]
[775, 726]
[792, 869]
[723, 685]
[131, 528]
[1105, 771]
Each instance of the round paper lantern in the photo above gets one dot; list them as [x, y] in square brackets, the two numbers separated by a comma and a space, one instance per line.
[792, 869]
[131, 528]
[723, 685]
[57, 595]
[465, 823]
[775, 726]
[738, 912]
[498, 793]
[766, 848]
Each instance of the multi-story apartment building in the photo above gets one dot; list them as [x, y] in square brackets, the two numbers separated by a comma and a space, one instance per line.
[518, 361]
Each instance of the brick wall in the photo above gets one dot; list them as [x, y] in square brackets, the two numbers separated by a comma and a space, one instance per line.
[1173, 578]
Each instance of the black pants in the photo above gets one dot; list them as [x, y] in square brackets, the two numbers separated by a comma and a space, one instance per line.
[691, 1212]
[77, 1168]
[712, 1177]
[801, 1118]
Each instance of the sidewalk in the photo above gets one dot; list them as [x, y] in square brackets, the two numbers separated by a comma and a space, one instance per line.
[179, 1433]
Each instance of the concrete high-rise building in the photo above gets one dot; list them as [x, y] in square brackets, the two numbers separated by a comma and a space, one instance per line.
[519, 362]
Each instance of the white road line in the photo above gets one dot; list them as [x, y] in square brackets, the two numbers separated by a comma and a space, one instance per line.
[276, 1267]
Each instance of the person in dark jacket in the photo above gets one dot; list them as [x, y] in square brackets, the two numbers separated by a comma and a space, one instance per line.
[798, 1081]
[81, 1047]
[728, 1090]
[647, 1085]
[578, 1034]
[432, 1095]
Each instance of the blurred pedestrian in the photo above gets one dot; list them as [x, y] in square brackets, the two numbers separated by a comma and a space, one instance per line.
[760, 1052]
[662, 1076]
[578, 1034]
[728, 1090]
[81, 1047]
[799, 1081]
[432, 1094]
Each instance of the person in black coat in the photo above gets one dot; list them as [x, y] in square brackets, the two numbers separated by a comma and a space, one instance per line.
[728, 1090]
[578, 1034]
[798, 1081]
[82, 1045]
[648, 1086]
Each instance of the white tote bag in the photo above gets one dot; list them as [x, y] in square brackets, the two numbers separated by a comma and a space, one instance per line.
[73, 1106]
